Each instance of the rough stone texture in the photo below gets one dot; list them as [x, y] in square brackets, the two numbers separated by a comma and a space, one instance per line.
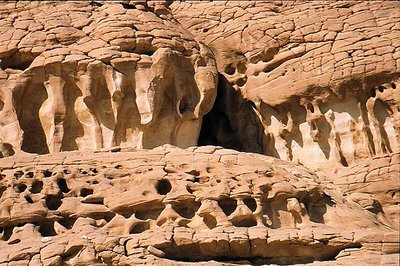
[322, 77]
[170, 205]
[312, 84]
[83, 75]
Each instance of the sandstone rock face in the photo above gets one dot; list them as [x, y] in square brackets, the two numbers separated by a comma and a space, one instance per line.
[305, 95]
[170, 205]
[87, 75]
[322, 77]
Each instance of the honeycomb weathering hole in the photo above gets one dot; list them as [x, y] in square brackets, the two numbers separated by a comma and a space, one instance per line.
[53, 202]
[163, 187]
[62, 184]
[36, 187]
[227, 205]
[139, 228]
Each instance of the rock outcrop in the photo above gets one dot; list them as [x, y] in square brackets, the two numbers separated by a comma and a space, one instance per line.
[113, 114]
[88, 75]
[170, 205]
[321, 77]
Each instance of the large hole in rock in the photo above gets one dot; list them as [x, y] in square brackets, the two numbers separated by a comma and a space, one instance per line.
[230, 116]
[163, 186]
[34, 138]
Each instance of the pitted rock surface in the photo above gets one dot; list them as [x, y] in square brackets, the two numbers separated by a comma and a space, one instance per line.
[311, 82]
[169, 204]
[93, 94]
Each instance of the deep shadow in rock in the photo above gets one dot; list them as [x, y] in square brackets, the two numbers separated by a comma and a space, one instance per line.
[231, 123]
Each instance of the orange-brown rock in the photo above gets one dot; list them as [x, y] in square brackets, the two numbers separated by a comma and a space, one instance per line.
[172, 206]
[322, 77]
[91, 75]
[303, 96]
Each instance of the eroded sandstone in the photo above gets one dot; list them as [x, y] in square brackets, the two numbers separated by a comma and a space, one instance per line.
[170, 205]
[317, 81]
[92, 83]
[93, 75]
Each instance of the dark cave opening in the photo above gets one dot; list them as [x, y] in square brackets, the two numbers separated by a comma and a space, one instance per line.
[231, 123]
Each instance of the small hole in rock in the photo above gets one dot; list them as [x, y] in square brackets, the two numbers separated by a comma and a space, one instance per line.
[18, 174]
[187, 210]
[66, 171]
[21, 188]
[163, 187]
[47, 229]
[381, 88]
[242, 67]
[310, 107]
[28, 199]
[37, 186]
[241, 82]
[118, 166]
[372, 92]
[139, 228]
[193, 172]
[15, 241]
[128, 6]
[228, 205]
[2, 189]
[94, 170]
[53, 202]
[189, 189]
[393, 85]
[250, 203]
[29, 175]
[47, 173]
[67, 222]
[210, 221]
[96, 4]
[148, 214]
[229, 69]
[62, 184]
[86, 192]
